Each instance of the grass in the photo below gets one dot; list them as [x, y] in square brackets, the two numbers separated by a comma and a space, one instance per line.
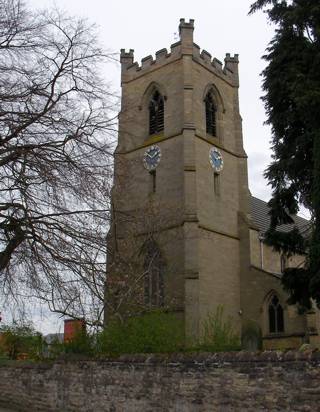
[218, 333]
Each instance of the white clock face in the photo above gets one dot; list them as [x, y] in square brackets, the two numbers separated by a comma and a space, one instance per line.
[152, 157]
[216, 160]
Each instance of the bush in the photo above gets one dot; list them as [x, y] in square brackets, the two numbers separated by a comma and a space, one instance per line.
[20, 342]
[218, 334]
[152, 332]
[155, 332]
[81, 344]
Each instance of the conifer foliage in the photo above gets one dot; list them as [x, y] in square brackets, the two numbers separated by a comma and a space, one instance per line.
[291, 82]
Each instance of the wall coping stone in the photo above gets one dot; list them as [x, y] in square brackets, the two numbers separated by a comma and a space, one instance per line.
[219, 359]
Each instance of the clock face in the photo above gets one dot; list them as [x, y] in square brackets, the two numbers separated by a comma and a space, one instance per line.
[152, 157]
[216, 159]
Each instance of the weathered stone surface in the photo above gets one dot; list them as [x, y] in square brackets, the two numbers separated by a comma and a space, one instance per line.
[213, 251]
[269, 381]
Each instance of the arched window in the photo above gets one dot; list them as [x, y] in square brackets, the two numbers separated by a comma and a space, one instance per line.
[211, 121]
[153, 279]
[283, 263]
[275, 312]
[156, 113]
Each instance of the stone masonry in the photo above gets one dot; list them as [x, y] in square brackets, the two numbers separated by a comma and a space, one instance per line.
[269, 381]
[197, 229]
[212, 251]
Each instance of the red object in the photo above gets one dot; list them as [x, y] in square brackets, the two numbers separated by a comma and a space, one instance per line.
[72, 328]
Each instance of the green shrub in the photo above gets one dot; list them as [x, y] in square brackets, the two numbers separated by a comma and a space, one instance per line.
[152, 332]
[20, 341]
[218, 333]
[81, 344]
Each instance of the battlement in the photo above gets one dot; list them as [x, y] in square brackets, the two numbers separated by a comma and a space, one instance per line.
[185, 24]
[186, 35]
[234, 59]
[185, 46]
[161, 57]
[126, 57]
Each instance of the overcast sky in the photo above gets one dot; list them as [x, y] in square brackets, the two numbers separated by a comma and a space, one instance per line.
[220, 27]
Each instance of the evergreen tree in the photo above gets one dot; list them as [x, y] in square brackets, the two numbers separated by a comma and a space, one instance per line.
[291, 82]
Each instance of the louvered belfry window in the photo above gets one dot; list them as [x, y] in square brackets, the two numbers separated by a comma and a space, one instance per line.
[156, 113]
[210, 115]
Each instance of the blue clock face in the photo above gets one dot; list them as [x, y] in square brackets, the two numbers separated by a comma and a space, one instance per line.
[216, 159]
[152, 157]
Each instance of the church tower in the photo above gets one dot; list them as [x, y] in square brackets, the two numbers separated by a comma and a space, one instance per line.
[180, 184]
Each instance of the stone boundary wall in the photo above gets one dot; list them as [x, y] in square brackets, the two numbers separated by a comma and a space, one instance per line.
[269, 381]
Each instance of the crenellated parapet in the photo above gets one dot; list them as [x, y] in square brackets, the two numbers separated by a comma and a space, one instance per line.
[186, 36]
[184, 47]
[231, 63]
[126, 59]
[131, 69]
[228, 70]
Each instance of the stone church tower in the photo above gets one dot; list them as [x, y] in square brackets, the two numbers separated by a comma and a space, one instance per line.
[180, 189]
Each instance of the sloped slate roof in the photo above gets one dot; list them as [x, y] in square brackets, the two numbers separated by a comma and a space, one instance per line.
[261, 219]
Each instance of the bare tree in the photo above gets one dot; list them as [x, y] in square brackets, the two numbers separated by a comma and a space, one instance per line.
[56, 131]
[139, 273]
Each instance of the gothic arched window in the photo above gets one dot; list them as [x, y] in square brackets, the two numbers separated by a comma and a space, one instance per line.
[283, 263]
[153, 279]
[275, 312]
[211, 121]
[156, 113]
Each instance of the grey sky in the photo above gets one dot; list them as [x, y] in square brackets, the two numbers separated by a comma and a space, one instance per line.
[220, 27]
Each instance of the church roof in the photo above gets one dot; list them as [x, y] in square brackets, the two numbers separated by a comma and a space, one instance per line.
[261, 218]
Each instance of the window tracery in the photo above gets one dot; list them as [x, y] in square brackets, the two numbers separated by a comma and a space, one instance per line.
[283, 263]
[275, 312]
